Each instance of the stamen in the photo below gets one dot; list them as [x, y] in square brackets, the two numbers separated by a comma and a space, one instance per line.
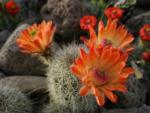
[88, 21]
[32, 33]
[114, 11]
[106, 42]
[147, 29]
[13, 7]
[101, 77]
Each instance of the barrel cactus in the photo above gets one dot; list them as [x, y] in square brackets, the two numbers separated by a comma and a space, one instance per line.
[13, 101]
[64, 86]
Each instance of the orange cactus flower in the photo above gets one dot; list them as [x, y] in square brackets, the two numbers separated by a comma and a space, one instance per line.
[12, 7]
[117, 37]
[36, 38]
[102, 71]
[113, 13]
[145, 32]
[87, 21]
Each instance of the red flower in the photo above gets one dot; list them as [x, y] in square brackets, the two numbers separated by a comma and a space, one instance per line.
[87, 21]
[146, 56]
[12, 7]
[113, 13]
[145, 32]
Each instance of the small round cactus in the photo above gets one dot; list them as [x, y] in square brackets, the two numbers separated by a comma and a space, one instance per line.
[13, 101]
[64, 86]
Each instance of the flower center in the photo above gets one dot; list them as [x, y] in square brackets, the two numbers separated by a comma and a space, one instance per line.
[99, 78]
[33, 33]
[147, 31]
[88, 21]
[114, 11]
[106, 42]
[13, 7]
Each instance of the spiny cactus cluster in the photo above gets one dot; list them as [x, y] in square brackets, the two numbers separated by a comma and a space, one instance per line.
[64, 86]
[68, 52]
[13, 101]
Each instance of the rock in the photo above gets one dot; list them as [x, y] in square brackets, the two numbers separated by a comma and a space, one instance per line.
[30, 8]
[114, 1]
[3, 36]
[148, 98]
[131, 12]
[2, 75]
[135, 96]
[136, 11]
[66, 15]
[26, 83]
[135, 23]
[147, 81]
[32, 20]
[14, 62]
[143, 3]
[34, 87]
[143, 109]
[13, 101]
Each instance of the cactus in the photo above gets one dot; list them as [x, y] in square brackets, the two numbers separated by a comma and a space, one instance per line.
[64, 86]
[13, 101]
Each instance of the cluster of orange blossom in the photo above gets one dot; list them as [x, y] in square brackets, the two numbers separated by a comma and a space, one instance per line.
[102, 69]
